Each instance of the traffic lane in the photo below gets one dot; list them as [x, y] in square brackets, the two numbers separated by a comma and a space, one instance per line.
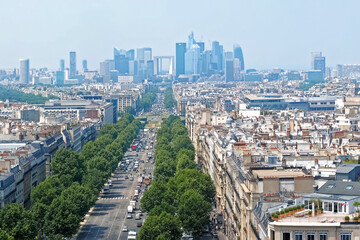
[108, 211]
[132, 223]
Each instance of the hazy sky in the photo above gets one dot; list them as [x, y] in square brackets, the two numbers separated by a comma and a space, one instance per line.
[272, 33]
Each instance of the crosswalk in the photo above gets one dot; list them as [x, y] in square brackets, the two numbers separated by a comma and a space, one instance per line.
[112, 198]
[149, 168]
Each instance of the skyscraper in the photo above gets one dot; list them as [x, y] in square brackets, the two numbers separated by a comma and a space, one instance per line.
[24, 71]
[60, 78]
[72, 72]
[84, 65]
[192, 60]
[144, 54]
[130, 54]
[180, 58]
[62, 64]
[239, 55]
[318, 62]
[217, 55]
[229, 70]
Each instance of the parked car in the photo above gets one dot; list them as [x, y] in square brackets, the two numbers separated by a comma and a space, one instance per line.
[139, 224]
[129, 216]
[125, 229]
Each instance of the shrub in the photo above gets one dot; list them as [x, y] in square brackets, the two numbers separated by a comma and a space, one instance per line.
[298, 207]
[356, 218]
[277, 213]
[282, 212]
[302, 205]
[286, 210]
[347, 218]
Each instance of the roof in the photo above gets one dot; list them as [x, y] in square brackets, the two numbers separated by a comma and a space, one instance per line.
[346, 168]
[264, 173]
[340, 188]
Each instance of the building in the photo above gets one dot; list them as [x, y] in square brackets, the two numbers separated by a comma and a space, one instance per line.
[180, 58]
[72, 72]
[62, 65]
[318, 62]
[144, 54]
[163, 65]
[84, 65]
[229, 70]
[125, 99]
[192, 60]
[239, 55]
[24, 71]
[314, 76]
[60, 78]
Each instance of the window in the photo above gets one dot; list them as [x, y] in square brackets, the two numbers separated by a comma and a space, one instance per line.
[286, 236]
[331, 186]
[345, 236]
[349, 187]
[328, 206]
[298, 236]
[323, 236]
[310, 236]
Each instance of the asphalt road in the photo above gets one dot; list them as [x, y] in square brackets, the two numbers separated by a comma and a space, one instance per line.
[107, 218]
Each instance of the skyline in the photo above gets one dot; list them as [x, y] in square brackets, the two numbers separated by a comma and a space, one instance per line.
[88, 27]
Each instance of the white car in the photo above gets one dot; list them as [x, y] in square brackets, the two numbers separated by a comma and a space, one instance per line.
[125, 229]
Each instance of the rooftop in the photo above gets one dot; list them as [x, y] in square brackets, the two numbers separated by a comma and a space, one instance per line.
[340, 188]
[323, 219]
[265, 173]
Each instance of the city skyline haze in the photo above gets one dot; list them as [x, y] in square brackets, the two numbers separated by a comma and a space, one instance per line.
[271, 33]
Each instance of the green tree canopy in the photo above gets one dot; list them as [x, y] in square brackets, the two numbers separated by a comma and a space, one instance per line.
[67, 161]
[17, 222]
[164, 226]
[193, 212]
[153, 196]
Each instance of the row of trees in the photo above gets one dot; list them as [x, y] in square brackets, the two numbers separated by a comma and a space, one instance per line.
[169, 98]
[180, 197]
[17, 96]
[60, 202]
[148, 99]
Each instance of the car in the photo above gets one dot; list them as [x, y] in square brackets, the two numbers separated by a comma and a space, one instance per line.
[137, 216]
[125, 229]
[126, 177]
[131, 179]
[139, 224]
[128, 216]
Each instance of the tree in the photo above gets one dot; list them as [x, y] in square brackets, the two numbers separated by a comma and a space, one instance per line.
[153, 196]
[89, 151]
[47, 191]
[184, 162]
[5, 236]
[17, 222]
[164, 226]
[165, 170]
[94, 179]
[193, 212]
[61, 220]
[67, 161]
[101, 164]
[187, 152]
[163, 207]
[79, 195]
[182, 141]
[194, 179]
[38, 212]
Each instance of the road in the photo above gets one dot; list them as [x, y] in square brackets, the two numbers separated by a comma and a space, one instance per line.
[107, 218]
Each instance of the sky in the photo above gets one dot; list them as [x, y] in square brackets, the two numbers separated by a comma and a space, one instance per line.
[272, 33]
